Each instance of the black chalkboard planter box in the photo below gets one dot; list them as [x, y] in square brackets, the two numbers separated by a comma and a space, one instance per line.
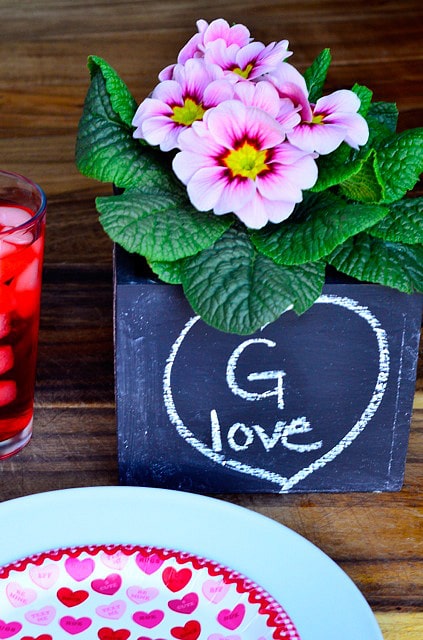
[320, 402]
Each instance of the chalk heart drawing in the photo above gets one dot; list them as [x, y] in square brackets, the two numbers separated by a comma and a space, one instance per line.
[285, 484]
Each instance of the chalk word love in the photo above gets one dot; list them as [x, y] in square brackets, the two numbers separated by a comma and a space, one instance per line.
[241, 436]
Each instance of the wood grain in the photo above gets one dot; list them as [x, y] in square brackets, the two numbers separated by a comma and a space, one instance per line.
[376, 538]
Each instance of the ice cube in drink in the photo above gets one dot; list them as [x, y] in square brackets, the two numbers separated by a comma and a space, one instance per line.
[21, 253]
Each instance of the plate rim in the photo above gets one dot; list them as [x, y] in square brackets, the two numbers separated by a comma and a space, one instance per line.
[202, 524]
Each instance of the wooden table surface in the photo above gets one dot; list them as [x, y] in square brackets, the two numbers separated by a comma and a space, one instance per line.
[376, 538]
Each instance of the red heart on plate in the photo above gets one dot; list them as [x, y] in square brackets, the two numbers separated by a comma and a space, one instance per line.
[43, 636]
[176, 580]
[71, 598]
[109, 585]
[190, 631]
[106, 633]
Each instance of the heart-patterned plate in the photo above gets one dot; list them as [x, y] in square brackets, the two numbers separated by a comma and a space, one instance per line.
[121, 592]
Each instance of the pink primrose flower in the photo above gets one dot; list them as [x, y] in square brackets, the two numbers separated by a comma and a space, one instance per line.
[219, 29]
[264, 95]
[237, 160]
[249, 62]
[175, 104]
[328, 123]
[334, 119]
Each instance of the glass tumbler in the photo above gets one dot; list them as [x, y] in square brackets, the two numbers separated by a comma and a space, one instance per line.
[22, 231]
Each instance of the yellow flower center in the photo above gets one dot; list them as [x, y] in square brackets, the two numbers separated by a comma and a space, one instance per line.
[247, 161]
[244, 73]
[318, 119]
[188, 113]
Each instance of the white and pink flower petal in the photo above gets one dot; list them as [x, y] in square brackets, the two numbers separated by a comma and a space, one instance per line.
[237, 192]
[206, 186]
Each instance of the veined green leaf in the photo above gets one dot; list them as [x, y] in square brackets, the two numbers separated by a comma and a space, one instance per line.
[400, 163]
[237, 290]
[315, 75]
[319, 224]
[169, 272]
[386, 113]
[106, 150]
[404, 222]
[121, 100]
[364, 186]
[161, 226]
[365, 94]
[371, 259]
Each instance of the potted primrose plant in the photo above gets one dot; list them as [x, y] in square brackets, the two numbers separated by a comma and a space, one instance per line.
[268, 270]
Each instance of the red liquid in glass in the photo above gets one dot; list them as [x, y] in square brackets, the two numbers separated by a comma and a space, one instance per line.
[21, 254]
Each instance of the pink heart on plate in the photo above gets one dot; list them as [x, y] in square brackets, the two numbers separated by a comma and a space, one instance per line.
[19, 596]
[9, 629]
[43, 616]
[215, 590]
[148, 563]
[112, 611]
[45, 576]
[187, 604]
[117, 560]
[74, 625]
[219, 636]
[107, 586]
[140, 595]
[231, 619]
[150, 619]
[79, 569]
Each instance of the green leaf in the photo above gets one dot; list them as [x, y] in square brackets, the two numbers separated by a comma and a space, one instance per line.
[318, 225]
[364, 185]
[386, 113]
[337, 166]
[404, 223]
[315, 75]
[162, 226]
[106, 150]
[170, 272]
[400, 163]
[237, 290]
[373, 260]
[365, 94]
[122, 102]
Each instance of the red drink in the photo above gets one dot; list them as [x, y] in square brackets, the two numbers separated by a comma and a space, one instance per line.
[22, 226]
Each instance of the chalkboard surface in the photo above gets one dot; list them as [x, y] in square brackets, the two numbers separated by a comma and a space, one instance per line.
[320, 402]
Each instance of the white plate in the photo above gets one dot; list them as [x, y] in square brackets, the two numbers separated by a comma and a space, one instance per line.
[321, 600]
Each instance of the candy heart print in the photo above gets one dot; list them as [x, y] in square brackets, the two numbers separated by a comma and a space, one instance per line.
[75, 625]
[106, 633]
[176, 580]
[19, 596]
[46, 576]
[215, 590]
[187, 604]
[190, 631]
[141, 594]
[148, 619]
[116, 561]
[107, 586]
[149, 563]
[231, 619]
[42, 616]
[71, 598]
[79, 569]
[9, 629]
[112, 611]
